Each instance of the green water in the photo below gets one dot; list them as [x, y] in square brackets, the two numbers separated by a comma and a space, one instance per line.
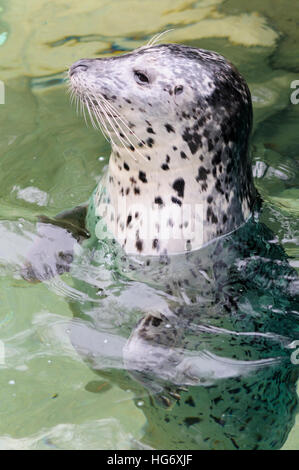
[49, 161]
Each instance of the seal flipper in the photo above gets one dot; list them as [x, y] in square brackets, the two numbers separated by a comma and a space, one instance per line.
[53, 250]
[72, 220]
[152, 347]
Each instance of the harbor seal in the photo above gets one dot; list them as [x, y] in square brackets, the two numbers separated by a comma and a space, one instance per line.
[179, 293]
[173, 215]
[179, 120]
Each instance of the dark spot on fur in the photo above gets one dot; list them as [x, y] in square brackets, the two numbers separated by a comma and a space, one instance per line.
[183, 155]
[214, 219]
[142, 176]
[156, 243]
[193, 139]
[211, 216]
[169, 128]
[192, 420]
[202, 174]
[217, 158]
[190, 401]
[159, 201]
[179, 186]
[139, 245]
[156, 321]
[176, 201]
[218, 187]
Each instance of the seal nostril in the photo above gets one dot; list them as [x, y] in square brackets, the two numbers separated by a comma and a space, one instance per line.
[78, 68]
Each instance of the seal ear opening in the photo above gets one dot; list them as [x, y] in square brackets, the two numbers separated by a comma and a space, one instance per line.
[178, 89]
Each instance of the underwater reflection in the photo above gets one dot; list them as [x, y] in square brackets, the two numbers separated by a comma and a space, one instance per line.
[204, 340]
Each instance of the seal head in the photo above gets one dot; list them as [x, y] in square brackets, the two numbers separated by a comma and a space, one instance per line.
[179, 120]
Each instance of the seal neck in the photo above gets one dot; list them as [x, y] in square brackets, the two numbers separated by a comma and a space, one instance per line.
[163, 159]
[152, 209]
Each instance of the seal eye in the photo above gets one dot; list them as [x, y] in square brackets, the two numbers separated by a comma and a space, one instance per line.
[178, 89]
[141, 78]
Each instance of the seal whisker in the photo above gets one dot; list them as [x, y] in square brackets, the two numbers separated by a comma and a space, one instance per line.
[111, 119]
[123, 142]
[101, 124]
[77, 104]
[90, 115]
[118, 116]
[83, 112]
[69, 90]
[157, 36]
[107, 117]
[125, 134]
[72, 96]
[100, 120]
[127, 138]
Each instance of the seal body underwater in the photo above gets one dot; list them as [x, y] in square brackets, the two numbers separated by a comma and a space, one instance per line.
[176, 211]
